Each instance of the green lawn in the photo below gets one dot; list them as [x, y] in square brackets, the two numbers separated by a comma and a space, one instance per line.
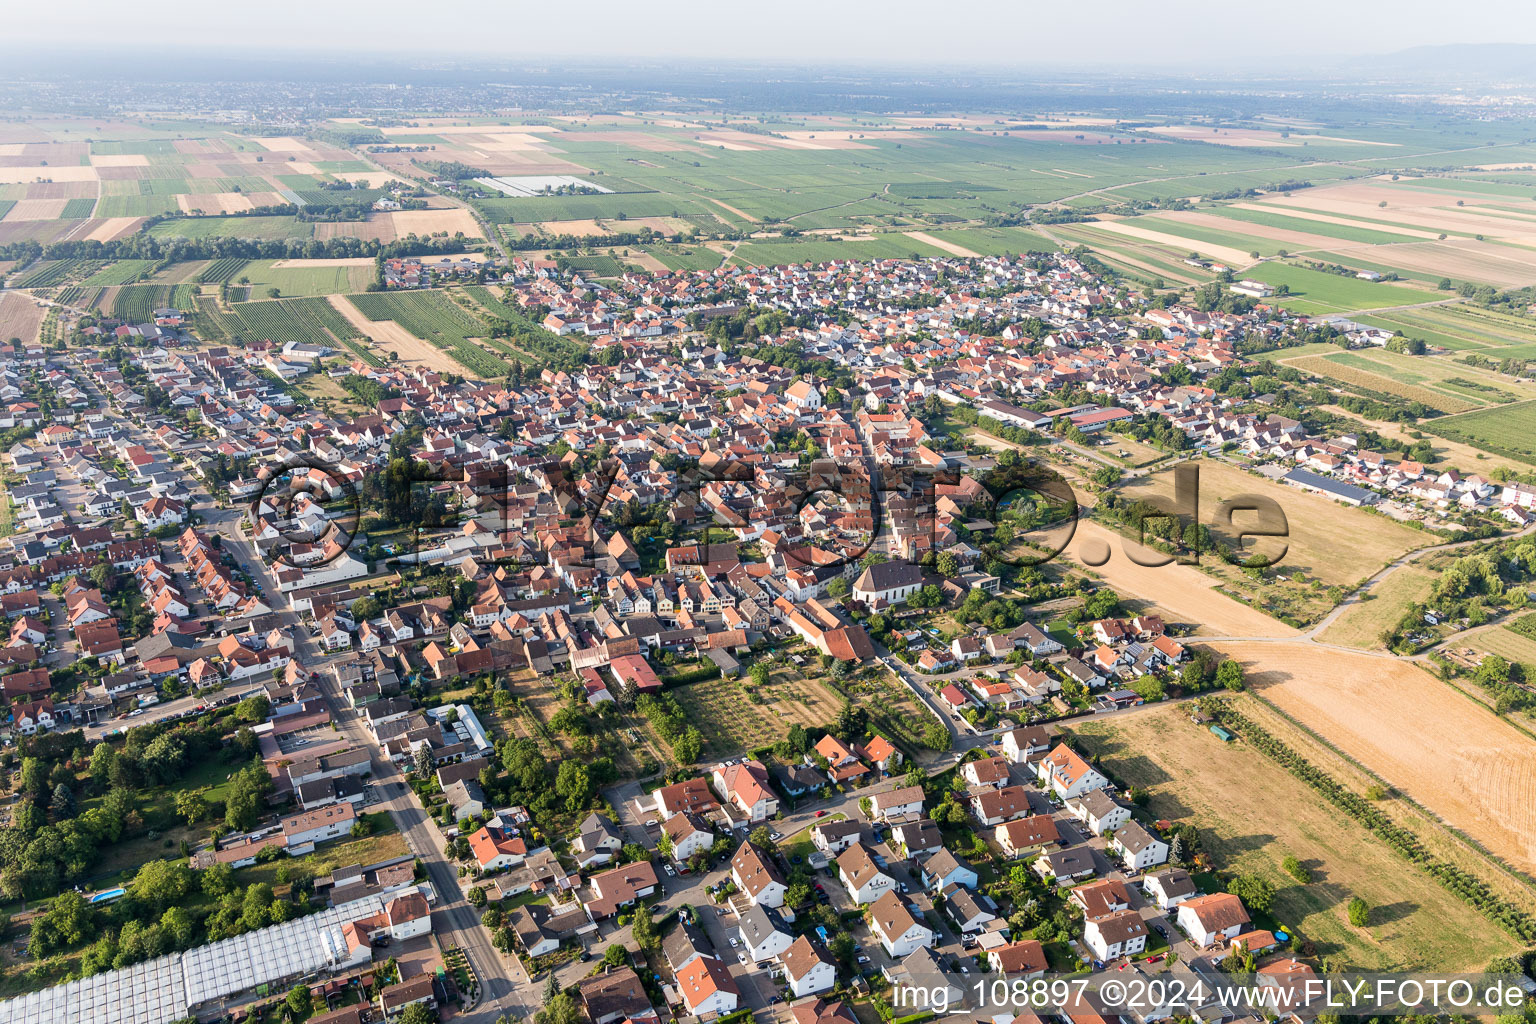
[1313, 291]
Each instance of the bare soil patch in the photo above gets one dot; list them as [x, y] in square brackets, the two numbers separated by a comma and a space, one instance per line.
[20, 317]
[430, 222]
[388, 336]
[1182, 592]
[37, 209]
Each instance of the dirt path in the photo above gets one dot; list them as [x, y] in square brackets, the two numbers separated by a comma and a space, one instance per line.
[939, 243]
[726, 206]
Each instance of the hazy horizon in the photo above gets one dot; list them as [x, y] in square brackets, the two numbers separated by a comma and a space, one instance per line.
[1185, 35]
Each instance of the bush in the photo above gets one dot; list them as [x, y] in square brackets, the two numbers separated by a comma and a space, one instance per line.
[1359, 912]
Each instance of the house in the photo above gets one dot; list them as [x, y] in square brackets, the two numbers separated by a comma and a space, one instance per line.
[887, 583]
[896, 803]
[684, 943]
[1035, 640]
[689, 834]
[466, 798]
[706, 987]
[995, 806]
[495, 849]
[842, 762]
[764, 932]
[757, 876]
[1122, 933]
[1169, 888]
[1067, 775]
[971, 911]
[1064, 865]
[808, 967]
[597, 840]
[1100, 813]
[394, 999]
[898, 931]
[986, 771]
[822, 1011]
[303, 830]
[744, 786]
[1101, 898]
[965, 648]
[1206, 919]
[861, 876]
[615, 995]
[833, 837]
[1024, 959]
[881, 753]
[1024, 836]
[616, 888]
[1025, 744]
[944, 869]
[1286, 985]
[917, 838]
[688, 795]
[1137, 848]
[920, 971]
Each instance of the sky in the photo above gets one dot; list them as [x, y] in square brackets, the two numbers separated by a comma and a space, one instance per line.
[1162, 34]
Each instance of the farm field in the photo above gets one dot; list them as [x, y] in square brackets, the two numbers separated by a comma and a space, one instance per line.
[1231, 794]
[20, 317]
[819, 249]
[735, 717]
[1465, 328]
[1313, 291]
[307, 277]
[1504, 642]
[434, 317]
[1379, 710]
[1508, 430]
[389, 338]
[261, 228]
[1334, 543]
[1363, 623]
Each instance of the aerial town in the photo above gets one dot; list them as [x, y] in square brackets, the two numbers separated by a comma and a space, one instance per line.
[594, 620]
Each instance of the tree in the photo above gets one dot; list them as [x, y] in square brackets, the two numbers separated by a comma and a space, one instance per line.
[1296, 869]
[253, 709]
[63, 802]
[300, 1003]
[191, 805]
[562, 1009]
[644, 929]
[574, 784]
[760, 674]
[1230, 675]
[476, 896]
[242, 806]
[762, 838]
[615, 955]
[417, 1013]
[1255, 892]
[424, 761]
[1359, 912]
[947, 564]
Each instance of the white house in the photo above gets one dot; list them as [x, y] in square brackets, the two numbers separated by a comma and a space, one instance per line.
[1024, 744]
[896, 803]
[888, 582]
[808, 967]
[757, 876]
[1205, 919]
[1169, 888]
[898, 931]
[1066, 774]
[764, 933]
[1096, 810]
[689, 835]
[707, 987]
[1122, 933]
[1137, 848]
[861, 876]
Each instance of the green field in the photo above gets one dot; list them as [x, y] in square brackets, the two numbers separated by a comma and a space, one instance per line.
[220, 271]
[78, 209]
[820, 249]
[299, 279]
[1491, 333]
[135, 206]
[120, 272]
[1316, 292]
[136, 303]
[1509, 430]
[433, 317]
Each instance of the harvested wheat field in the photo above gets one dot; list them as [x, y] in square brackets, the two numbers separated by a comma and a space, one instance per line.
[107, 229]
[1225, 253]
[387, 336]
[430, 222]
[20, 317]
[1447, 752]
[1182, 593]
[37, 209]
[214, 202]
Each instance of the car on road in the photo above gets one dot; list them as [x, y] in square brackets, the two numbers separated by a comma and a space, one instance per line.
[775, 836]
[136, 712]
[668, 869]
[650, 823]
[821, 813]
[734, 942]
[1155, 959]
[584, 955]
